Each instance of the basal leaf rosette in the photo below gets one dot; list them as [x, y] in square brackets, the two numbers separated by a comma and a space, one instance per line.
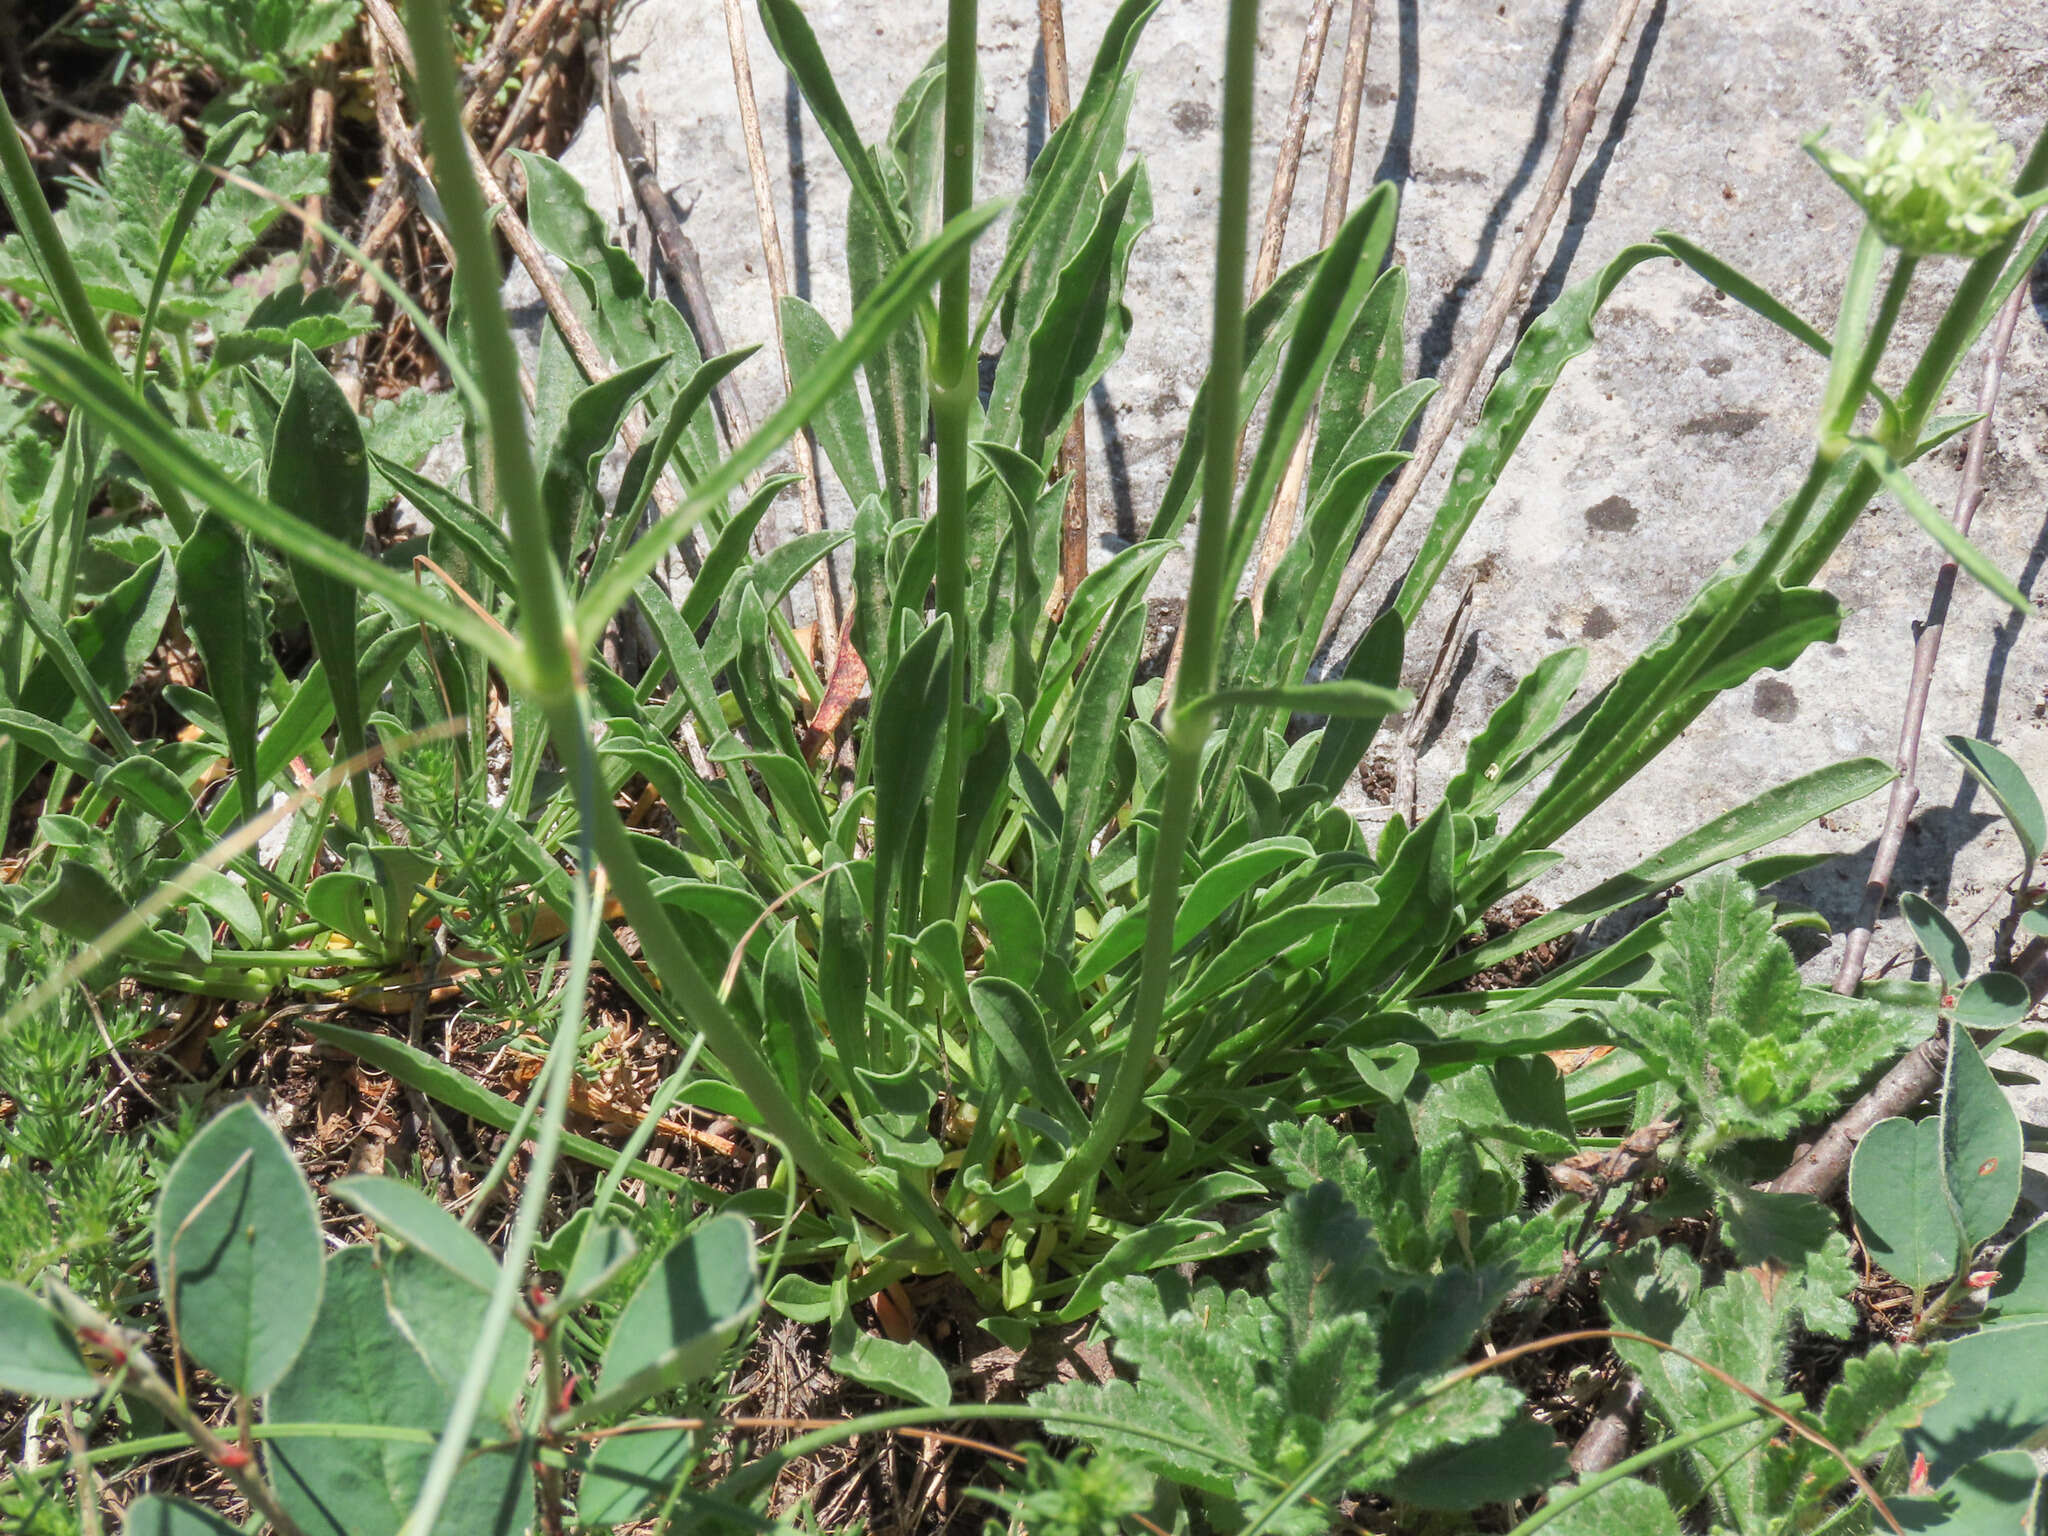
[1935, 182]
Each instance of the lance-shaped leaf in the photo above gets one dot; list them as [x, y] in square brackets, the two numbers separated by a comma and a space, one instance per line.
[238, 1251]
[320, 470]
[221, 603]
[678, 1323]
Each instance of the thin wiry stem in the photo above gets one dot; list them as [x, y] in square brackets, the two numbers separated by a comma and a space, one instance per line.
[823, 598]
[955, 380]
[1187, 720]
[1073, 460]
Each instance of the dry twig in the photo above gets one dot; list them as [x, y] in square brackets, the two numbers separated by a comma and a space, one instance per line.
[1819, 1169]
[1073, 460]
[1926, 650]
[1408, 755]
[1507, 296]
[822, 596]
[678, 257]
[1286, 508]
[667, 493]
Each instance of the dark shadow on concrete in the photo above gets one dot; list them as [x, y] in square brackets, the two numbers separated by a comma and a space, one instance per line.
[1436, 341]
[1114, 460]
[799, 188]
[1586, 194]
[1394, 163]
[1834, 889]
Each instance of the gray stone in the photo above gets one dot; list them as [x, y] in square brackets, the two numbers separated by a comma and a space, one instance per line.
[1663, 447]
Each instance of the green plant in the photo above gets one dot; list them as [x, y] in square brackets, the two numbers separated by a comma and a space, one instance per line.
[342, 1364]
[262, 42]
[1022, 995]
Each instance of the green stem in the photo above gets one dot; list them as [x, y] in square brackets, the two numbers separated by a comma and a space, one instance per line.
[1954, 334]
[547, 649]
[955, 379]
[693, 999]
[546, 635]
[1187, 725]
[1564, 1498]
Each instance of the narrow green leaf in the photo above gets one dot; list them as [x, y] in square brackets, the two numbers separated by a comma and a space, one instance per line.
[197, 186]
[627, 1475]
[1749, 826]
[675, 1327]
[1056, 188]
[1335, 295]
[1101, 699]
[1016, 936]
[897, 295]
[71, 376]
[841, 428]
[1744, 290]
[1953, 541]
[111, 641]
[220, 602]
[1558, 335]
[479, 538]
[2009, 787]
[238, 1251]
[909, 1371]
[1017, 1028]
[1981, 1142]
[1342, 700]
[1947, 949]
[604, 1252]
[320, 470]
[570, 466]
[408, 1216]
[790, 34]
[730, 552]
[907, 730]
[1085, 323]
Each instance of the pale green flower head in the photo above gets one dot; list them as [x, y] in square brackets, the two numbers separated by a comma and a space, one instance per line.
[1936, 182]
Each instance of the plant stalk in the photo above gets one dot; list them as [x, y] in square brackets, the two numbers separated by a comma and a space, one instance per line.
[1926, 651]
[955, 379]
[1187, 720]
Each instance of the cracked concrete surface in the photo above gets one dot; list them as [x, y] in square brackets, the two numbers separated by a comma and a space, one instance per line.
[1663, 446]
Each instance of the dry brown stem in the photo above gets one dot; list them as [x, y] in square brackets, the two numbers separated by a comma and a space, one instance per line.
[1819, 1169]
[1506, 299]
[1286, 509]
[1926, 651]
[1408, 755]
[823, 598]
[667, 493]
[672, 248]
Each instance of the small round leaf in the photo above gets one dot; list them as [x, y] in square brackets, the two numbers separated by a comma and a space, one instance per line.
[238, 1251]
